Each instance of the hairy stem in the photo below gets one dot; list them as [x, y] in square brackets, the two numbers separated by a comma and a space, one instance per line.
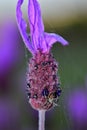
[41, 119]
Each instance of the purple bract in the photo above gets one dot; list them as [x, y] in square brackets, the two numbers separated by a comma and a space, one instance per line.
[37, 39]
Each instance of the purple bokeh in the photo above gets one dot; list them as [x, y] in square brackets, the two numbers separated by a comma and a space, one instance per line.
[78, 105]
[77, 108]
[9, 46]
[9, 115]
[11, 52]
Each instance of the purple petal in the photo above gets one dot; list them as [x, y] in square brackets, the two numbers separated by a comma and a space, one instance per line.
[44, 45]
[22, 26]
[36, 23]
[51, 38]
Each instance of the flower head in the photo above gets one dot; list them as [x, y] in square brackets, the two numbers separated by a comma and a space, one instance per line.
[42, 81]
[38, 38]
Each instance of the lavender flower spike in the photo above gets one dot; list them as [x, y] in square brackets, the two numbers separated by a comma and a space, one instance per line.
[38, 38]
[43, 87]
[42, 80]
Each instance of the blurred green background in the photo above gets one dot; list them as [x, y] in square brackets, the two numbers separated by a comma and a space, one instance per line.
[70, 22]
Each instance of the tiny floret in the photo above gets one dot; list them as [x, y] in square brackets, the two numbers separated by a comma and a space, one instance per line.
[42, 67]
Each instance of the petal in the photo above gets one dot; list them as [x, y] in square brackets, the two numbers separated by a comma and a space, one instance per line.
[44, 45]
[36, 23]
[22, 27]
[51, 38]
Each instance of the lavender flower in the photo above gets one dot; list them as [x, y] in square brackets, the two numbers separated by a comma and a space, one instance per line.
[42, 82]
[43, 89]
